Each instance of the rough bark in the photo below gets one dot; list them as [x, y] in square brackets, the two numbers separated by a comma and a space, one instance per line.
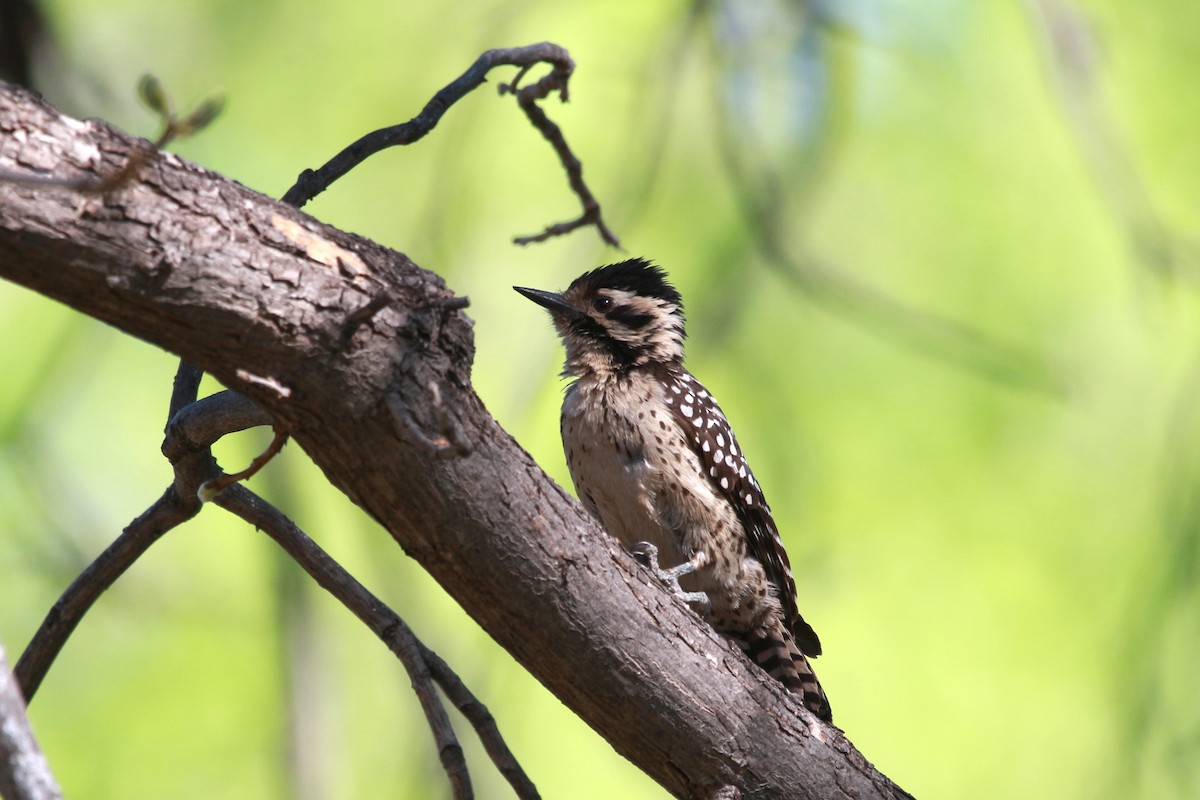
[24, 773]
[260, 295]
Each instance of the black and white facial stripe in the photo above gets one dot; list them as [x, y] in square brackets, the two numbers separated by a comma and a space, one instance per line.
[628, 311]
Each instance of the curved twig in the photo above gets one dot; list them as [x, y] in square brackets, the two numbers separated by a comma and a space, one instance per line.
[167, 512]
[311, 183]
[170, 510]
[421, 663]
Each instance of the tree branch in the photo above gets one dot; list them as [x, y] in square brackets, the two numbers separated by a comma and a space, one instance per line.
[176, 506]
[24, 773]
[312, 182]
[229, 279]
[194, 425]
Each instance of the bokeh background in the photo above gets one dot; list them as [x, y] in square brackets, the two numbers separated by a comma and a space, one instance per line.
[940, 265]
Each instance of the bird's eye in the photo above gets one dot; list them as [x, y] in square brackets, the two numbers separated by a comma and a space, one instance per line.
[602, 304]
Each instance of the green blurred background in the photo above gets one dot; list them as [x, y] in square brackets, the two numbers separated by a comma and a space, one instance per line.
[940, 270]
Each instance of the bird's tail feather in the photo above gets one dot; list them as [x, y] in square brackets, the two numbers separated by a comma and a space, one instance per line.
[776, 652]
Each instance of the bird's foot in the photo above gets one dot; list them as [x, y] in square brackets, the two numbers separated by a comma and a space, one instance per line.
[647, 555]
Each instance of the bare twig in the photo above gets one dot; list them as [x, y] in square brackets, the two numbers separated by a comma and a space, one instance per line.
[482, 721]
[184, 389]
[265, 380]
[527, 98]
[311, 183]
[140, 154]
[444, 306]
[24, 773]
[211, 488]
[383, 621]
[169, 511]
[421, 663]
[361, 316]
[201, 423]
[448, 304]
[166, 513]
[559, 229]
[195, 424]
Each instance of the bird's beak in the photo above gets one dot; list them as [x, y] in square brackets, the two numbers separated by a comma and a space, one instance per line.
[551, 301]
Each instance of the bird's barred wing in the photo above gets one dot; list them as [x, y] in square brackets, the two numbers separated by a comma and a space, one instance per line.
[712, 438]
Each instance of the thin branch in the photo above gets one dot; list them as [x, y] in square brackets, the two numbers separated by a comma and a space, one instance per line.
[24, 773]
[364, 314]
[211, 488]
[311, 183]
[422, 664]
[170, 510]
[167, 512]
[185, 388]
[201, 423]
[527, 98]
[265, 380]
[330, 576]
[482, 721]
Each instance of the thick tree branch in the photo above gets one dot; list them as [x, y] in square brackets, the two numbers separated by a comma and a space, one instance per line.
[258, 294]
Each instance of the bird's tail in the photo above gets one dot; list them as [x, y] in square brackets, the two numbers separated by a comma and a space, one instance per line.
[776, 652]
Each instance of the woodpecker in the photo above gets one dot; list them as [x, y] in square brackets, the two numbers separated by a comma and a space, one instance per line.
[655, 461]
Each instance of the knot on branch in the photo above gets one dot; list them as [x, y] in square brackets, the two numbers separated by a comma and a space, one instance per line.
[446, 442]
[554, 81]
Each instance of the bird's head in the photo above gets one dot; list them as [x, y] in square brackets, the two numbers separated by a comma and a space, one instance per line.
[616, 317]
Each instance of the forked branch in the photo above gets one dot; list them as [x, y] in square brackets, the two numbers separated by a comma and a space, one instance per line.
[193, 427]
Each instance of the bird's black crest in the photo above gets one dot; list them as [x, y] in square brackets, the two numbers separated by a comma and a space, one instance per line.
[636, 275]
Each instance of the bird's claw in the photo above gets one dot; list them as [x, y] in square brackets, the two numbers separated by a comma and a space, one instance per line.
[647, 554]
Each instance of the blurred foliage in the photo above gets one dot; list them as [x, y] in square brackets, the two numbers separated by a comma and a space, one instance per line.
[940, 267]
